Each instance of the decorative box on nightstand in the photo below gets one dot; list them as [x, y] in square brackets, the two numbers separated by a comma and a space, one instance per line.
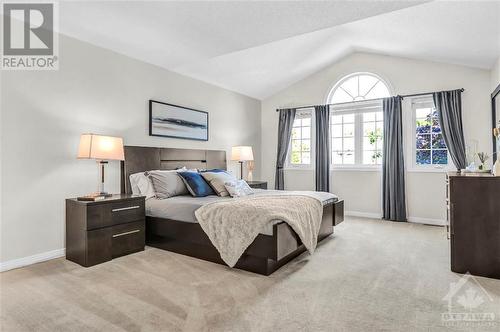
[98, 231]
[257, 184]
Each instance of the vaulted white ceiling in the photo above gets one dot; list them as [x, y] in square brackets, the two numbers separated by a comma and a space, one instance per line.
[259, 48]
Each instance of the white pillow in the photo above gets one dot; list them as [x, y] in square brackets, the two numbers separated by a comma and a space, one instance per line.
[217, 181]
[142, 185]
[133, 183]
[238, 188]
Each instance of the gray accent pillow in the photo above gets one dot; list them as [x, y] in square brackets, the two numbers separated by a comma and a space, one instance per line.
[217, 181]
[167, 184]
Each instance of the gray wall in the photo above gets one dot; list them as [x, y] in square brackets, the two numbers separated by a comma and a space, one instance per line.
[95, 90]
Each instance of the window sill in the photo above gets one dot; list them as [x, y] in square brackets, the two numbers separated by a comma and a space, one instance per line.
[371, 169]
[429, 170]
[298, 169]
[357, 169]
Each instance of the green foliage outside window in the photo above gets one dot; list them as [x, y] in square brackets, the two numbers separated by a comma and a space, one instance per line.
[374, 136]
[297, 148]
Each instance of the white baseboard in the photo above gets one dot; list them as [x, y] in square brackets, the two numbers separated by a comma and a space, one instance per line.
[363, 214]
[417, 220]
[25, 261]
[428, 221]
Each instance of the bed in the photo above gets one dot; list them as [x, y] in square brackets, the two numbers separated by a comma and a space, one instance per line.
[171, 225]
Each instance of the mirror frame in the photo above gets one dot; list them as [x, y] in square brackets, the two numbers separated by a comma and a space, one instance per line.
[495, 94]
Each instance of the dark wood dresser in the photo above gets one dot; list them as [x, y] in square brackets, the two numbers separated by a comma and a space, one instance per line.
[257, 184]
[474, 223]
[99, 231]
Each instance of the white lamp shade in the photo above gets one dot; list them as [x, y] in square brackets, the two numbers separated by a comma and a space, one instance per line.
[241, 153]
[100, 147]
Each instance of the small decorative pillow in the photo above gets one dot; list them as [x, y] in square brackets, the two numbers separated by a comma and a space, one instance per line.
[217, 179]
[167, 184]
[142, 185]
[238, 188]
[195, 184]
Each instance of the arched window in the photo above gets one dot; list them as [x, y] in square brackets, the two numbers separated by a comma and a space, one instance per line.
[356, 123]
[358, 87]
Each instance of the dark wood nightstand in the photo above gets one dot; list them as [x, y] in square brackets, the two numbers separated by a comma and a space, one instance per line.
[257, 184]
[99, 231]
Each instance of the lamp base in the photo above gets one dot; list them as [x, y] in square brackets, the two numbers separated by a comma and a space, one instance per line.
[94, 197]
[241, 170]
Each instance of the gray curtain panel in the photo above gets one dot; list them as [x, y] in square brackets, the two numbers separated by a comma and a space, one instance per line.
[449, 107]
[286, 117]
[393, 169]
[322, 113]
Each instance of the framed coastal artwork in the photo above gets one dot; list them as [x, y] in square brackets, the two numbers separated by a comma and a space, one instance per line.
[168, 120]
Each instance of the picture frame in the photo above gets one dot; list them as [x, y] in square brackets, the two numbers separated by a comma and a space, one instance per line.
[175, 121]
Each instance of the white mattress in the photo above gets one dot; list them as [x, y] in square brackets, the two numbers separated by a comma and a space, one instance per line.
[182, 208]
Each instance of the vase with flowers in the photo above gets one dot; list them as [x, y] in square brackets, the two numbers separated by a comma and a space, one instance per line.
[483, 157]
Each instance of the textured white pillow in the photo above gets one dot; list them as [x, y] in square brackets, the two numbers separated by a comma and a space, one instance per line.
[133, 183]
[141, 185]
[217, 181]
[238, 188]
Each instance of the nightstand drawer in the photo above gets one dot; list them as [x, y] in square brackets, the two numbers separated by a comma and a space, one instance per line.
[124, 212]
[127, 238]
[104, 215]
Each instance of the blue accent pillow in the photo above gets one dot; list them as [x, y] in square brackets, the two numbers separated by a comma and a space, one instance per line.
[196, 185]
[215, 170]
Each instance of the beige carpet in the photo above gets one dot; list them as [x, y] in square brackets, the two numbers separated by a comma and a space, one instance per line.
[371, 275]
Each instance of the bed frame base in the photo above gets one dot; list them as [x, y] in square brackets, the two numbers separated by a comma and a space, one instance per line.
[264, 256]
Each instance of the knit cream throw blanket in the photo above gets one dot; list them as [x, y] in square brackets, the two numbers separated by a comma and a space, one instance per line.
[232, 225]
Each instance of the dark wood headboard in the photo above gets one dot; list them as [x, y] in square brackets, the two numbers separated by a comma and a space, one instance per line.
[141, 159]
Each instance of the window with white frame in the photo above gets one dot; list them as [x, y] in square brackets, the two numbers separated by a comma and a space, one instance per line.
[373, 126]
[428, 146]
[358, 87]
[300, 150]
[342, 132]
[356, 123]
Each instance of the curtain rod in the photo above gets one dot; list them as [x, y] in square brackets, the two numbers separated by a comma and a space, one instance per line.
[368, 100]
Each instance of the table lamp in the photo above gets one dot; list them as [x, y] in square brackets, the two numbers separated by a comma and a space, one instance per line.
[101, 148]
[241, 154]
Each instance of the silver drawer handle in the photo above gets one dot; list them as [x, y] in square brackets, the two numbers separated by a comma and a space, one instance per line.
[126, 208]
[127, 233]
